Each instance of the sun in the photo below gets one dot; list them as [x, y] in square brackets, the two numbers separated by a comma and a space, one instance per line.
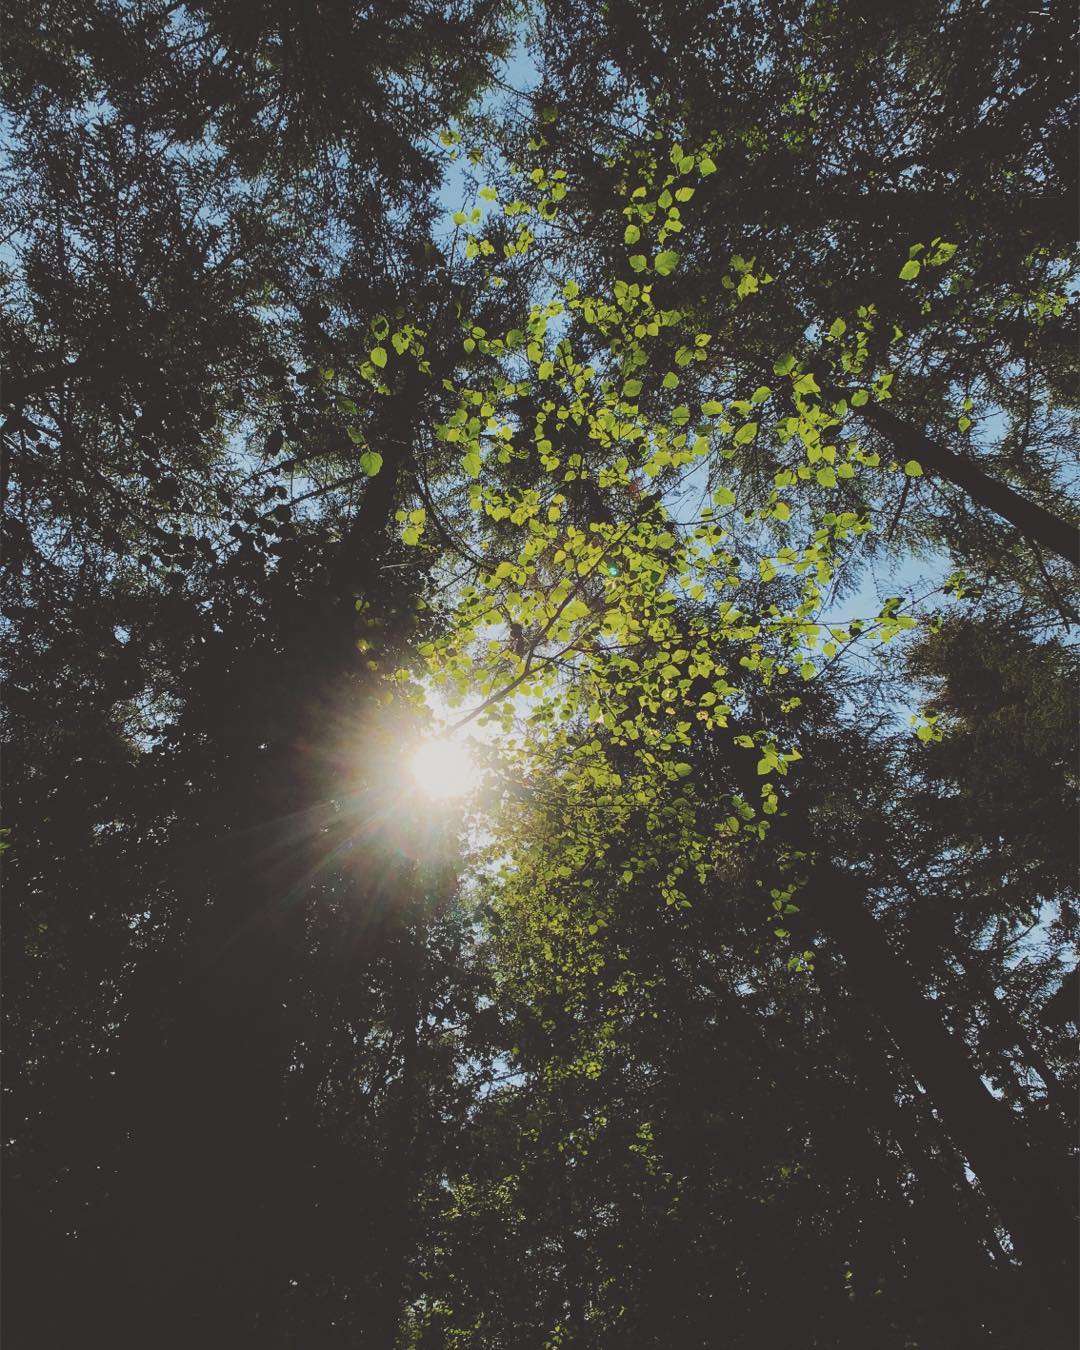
[444, 769]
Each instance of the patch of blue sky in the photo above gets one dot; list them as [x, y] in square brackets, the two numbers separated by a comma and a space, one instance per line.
[515, 80]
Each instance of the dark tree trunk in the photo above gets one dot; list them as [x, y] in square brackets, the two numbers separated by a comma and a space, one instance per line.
[209, 1188]
[1032, 1203]
[1034, 522]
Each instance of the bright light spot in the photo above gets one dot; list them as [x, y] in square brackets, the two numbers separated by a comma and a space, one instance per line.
[444, 769]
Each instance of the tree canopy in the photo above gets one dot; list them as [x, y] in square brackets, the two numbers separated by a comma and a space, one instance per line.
[677, 406]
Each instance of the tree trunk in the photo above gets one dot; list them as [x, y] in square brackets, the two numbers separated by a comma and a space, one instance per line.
[1034, 522]
[208, 1189]
[1031, 1204]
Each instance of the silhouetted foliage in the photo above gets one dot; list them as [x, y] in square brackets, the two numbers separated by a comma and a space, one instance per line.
[655, 1041]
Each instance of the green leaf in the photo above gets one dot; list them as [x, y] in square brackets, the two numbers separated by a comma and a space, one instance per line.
[712, 408]
[706, 166]
[827, 477]
[785, 365]
[859, 398]
[371, 462]
[910, 270]
[638, 262]
[666, 262]
[631, 388]
[410, 536]
[746, 433]
[378, 356]
[913, 468]
[631, 234]
[471, 464]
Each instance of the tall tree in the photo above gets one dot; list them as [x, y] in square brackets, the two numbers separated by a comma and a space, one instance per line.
[601, 606]
[212, 218]
[842, 149]
[656, 1049]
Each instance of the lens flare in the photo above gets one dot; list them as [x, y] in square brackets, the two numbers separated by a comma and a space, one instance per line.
[444, 769]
